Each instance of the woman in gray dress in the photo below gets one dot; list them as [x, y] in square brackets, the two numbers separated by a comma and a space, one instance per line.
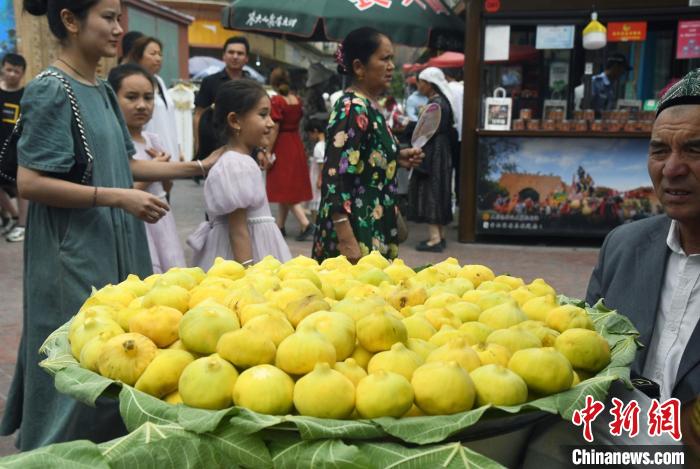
[430, 187]
[77, 235]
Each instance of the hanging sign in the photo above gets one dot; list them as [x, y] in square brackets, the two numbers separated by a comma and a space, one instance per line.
[555, 37]
[688, 40]
[496, 43]
[492, 6]
[627, 31]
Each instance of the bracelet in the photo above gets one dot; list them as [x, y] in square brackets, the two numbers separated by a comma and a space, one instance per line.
[201, 166]
[248, 262]
[340, 220]
[94, 198]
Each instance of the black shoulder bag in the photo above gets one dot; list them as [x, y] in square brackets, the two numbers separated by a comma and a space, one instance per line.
[81, 172]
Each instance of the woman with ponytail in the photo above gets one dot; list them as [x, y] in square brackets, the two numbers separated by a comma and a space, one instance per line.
[78, 235]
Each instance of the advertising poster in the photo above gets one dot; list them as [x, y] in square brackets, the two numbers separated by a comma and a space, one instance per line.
[688, 41]
[562, 186]
[8, 33]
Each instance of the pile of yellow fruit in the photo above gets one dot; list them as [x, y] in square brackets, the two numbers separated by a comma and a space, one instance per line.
[336, 340]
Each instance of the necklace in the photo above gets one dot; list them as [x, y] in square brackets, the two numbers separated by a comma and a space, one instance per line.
[92, 82]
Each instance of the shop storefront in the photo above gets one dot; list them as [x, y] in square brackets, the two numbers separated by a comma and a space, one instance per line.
[553, 144]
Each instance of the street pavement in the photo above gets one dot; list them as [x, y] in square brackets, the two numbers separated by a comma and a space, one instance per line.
[566, 268]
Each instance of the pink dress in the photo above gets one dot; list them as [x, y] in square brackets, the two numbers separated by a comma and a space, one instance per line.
[163, 241]
[233, 183]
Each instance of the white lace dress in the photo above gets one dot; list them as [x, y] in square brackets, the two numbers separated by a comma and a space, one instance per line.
[233, 183]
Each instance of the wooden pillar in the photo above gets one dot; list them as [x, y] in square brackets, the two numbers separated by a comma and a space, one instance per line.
[470, 121]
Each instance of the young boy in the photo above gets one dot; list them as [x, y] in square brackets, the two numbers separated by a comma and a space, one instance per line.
[12, 70]
[316, 128]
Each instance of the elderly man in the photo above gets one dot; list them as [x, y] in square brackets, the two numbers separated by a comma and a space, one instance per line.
[649, 270]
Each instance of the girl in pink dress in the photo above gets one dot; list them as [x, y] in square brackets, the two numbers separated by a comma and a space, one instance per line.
[240, 226]
[135, 87]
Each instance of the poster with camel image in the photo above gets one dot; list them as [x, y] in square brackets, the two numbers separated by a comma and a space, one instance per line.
[562, 186]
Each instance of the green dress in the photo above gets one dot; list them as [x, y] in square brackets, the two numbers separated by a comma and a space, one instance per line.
[359, 179]
[66, 252]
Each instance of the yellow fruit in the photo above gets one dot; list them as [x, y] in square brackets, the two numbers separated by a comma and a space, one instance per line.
[464, 311]
[159, 323]
[421, 347]
[162, 375]
[295, 272]
[512, 282]
[522, 295]
[362, 290]
[383, 394]
[443, 388]
[245, 348]
[473, 296]
[335, 327]
[373, 276]
[361, 356]
[476, 332]
[476, 274]
[297, 310]
[514, 339]
[177, 277]
[497, 385]
[324, 393]
[357, 308]
[112, 295]
[231, 270]
[398, 271]
[545, 370]
[439, 317]
[89, 328]
[379, 331]
[237, 300]
[134, 285]
[178, 345]
[414, 411]
[303, 286]
[446, 334]
[374, 259]
[207, 383]
[568, 317]
[449, 267]
[351, 370]
[302, 261]
[538, 308]
[264, 283]
[492, 354]
[258, 309]
[125, 314]
[173, 398]
[540, 288]
[585, 349]
[218, 282]
[264, 389]
[167, 295]
[102, 311]
[404, 297]
[197, 273]
[268, 263]
[274, 326]
[418, 327]
[429, 277]
[502, 316]
[90, 353]
[336, 263]
[493, 286]
[124, 357]
[576, 380]
[546, 335]
[151, 280]
[398, 359]
[441, 300]
[201, 327]
[201, 293]
[299, 353]
[457, 350]
[494, 298]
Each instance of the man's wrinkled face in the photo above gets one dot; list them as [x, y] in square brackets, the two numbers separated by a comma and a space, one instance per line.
[674, 162]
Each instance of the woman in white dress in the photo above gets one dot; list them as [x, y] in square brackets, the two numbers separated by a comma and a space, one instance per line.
[240, 226]
[135, 89]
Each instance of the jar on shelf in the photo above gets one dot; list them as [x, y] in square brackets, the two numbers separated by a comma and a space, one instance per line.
[589, 115]
[526, 113]
[597, 126]
[581, 125]
[533, 124]
[518, 124]
[631, 126]
[564, 126]
[549, 125]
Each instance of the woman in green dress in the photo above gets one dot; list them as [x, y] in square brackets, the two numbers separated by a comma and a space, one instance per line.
[78, 236]
[358, 209]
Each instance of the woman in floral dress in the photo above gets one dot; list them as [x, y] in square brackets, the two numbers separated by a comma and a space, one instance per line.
[357, 213]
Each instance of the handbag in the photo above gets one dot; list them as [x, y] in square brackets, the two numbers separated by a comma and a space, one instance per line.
[81, 171]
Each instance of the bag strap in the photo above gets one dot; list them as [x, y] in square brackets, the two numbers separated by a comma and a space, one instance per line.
[78, 121]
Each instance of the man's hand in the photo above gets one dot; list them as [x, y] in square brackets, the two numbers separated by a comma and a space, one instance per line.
[411, 157]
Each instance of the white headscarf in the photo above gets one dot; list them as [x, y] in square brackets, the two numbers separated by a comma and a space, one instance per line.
[435, 76]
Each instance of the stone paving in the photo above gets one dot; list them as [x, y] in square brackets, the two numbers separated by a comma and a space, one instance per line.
[566, 268]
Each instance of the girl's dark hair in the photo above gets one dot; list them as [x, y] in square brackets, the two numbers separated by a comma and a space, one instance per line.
[139, 48]
[239, 96]
[52, 10]
[359, 44]
[121, 72]
[279, 80]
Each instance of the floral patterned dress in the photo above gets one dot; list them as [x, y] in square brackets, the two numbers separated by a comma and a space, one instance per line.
[359, 179]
